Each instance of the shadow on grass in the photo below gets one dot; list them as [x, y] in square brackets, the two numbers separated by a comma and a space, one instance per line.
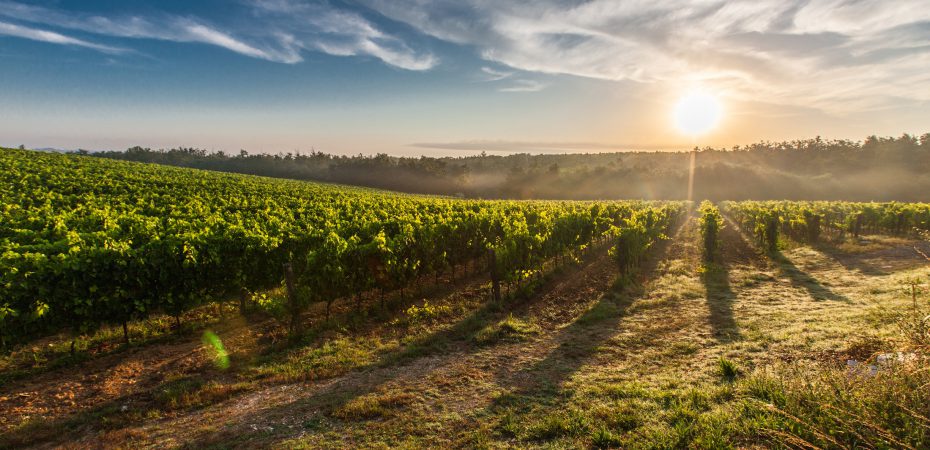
[851, 262]
[372, 378]
[182, 395]
[109, 415]
[720, 298]
[735, 251]
[802, 279]
[107, 345]
[579, 342]
[39, 431]
[375, 316]
[798, 277]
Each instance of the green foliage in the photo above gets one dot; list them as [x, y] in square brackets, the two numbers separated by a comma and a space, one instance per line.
[763, 218]
[415, 315]
[86, 241]
[809, 221]
[639, 231]
[711, 224]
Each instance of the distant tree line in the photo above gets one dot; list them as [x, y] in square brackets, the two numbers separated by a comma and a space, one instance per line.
[878, 168]
[417, 175]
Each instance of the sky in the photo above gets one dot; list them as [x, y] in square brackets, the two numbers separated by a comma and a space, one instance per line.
[455, 77]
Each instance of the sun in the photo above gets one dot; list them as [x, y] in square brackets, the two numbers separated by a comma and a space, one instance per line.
[697, 113]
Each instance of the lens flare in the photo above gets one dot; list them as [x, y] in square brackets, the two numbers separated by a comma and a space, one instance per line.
[215, 346]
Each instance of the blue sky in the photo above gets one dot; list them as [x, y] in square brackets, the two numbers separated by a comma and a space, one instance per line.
[438, 77]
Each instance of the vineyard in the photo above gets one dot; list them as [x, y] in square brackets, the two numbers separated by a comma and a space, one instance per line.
[88, 242]
[144, 306]
[808, 222]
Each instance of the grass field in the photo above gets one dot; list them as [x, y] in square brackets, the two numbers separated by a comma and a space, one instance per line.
[688, 354]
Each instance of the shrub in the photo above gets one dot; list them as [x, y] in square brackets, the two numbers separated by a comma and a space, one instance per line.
[711, 224]
[767, 230]
[415, 315]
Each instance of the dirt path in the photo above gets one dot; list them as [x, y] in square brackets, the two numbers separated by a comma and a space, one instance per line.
[116, 377]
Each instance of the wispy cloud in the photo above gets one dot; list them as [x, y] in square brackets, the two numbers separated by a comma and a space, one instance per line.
[339, 32]
[494, 74]
[189, 31]
[514, 84]
[524, 86]
[34, 34]
[838, 55]
[280, 31]
[160, 27]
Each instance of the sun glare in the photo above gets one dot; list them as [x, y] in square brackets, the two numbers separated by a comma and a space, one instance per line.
[697, 113]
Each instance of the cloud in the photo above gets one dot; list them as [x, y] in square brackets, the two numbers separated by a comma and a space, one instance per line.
[188, 31]
[277, 31]
[339, 32]
[9, 29]
[491, 75]
[524, 86]
[159, 27]
[494, 74]
[834, 55]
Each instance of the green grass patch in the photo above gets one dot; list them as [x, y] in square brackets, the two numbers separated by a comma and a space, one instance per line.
[194, 392]
[727, 369]
[332, 358]
[510, 329]
[373, 406]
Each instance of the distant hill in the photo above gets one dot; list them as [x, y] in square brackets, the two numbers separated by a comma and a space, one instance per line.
[878, 168]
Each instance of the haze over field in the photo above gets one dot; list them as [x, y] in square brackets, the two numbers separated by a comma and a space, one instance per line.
[465, 224]
[412, 77]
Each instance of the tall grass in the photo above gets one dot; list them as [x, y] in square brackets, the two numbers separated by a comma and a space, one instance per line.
[815, 408]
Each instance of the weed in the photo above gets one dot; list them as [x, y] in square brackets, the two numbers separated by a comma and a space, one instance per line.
[603, 438]
[509, 329]
[418, 315]
[559, 424]
[727, 369]
[914, 322]
[373, 406]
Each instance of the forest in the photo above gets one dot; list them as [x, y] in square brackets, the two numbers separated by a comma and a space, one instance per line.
[876, 169]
